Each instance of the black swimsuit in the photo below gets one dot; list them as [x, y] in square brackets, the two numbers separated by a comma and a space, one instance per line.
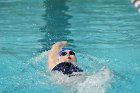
[67, 68]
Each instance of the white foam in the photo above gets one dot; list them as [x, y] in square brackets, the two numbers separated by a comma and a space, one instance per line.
[96, 83]
[65, 80]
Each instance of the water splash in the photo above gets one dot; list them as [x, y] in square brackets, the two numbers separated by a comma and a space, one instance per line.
[39, 57]
[37, 63]
[65, 80]
[96, 83]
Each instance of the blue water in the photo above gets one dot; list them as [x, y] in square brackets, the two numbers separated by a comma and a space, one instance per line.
[102, 32]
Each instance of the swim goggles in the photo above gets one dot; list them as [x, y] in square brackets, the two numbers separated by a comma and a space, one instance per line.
[65, 53]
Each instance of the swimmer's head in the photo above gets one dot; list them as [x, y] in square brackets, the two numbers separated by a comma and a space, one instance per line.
[63, 49]
[67, 55]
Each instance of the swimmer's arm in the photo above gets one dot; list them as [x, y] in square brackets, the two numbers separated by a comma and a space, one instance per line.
[56, 47]
[52, 56]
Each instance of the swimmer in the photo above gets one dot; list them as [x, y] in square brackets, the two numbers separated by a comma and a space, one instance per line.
[62, 59]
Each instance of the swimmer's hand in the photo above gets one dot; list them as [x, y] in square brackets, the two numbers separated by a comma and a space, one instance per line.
[61, 43]
[57, 46]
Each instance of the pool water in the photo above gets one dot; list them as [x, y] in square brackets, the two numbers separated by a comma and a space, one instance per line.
[103, 33]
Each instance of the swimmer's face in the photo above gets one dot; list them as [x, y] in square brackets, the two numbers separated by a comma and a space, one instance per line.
[68, 56]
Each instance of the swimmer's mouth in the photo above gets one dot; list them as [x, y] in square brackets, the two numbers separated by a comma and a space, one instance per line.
[69, 57]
